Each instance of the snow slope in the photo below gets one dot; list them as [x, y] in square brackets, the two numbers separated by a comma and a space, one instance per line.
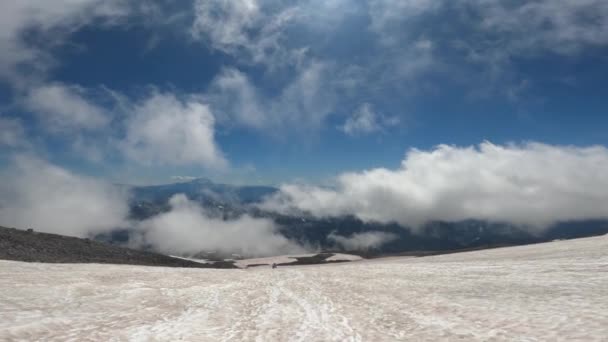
[550, 292]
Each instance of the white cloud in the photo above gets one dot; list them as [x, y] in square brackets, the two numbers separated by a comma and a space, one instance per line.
[491, 34]
[183, 178]
[166, 130]
[12, 132]
[188, 229]
[564, 27]
[533, 184]
[244, 29]
[485, 32]
[365, 121]
[225, 22]
[258, 32]
[63, 107]
[233, 95]
[362, 241]
[31, 31]
[304, 102]
[36, 194]
[309, 98]
[53, 21]
[388, 16]
[525, 27]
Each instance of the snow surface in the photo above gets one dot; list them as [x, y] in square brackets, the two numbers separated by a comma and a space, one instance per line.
[200, 261]
[550, 292]
[343, 257]
[280, 259]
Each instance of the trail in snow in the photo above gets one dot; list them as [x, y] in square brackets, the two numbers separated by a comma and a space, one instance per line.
[550, 292]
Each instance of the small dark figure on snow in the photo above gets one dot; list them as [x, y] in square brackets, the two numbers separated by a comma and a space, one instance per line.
[274, 265]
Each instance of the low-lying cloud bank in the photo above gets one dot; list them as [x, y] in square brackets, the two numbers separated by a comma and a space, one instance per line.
[362, 241]
[36, 194]
[189, 229]
[532, 185]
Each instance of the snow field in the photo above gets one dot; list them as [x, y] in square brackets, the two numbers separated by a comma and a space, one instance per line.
[550, 292]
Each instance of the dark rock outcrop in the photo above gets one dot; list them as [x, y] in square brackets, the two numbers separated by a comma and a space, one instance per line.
[32, 246]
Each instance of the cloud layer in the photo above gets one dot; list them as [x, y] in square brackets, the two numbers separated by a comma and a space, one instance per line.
[362, 241]
[532, 185]
[47, 198]
[64, 107]
[189, 229]
[12, 132]
[36, 194]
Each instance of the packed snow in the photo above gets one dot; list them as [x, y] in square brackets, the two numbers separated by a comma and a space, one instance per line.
[551, 292]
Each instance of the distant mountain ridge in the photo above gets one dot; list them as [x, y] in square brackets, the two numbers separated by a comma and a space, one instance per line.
[204, 191]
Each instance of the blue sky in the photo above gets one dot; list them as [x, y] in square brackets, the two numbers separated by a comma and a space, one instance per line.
[271, 91]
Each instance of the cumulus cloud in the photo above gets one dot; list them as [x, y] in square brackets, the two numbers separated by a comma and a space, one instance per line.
[189, 229]
[166, 130]
[64, 107]
[532, 185]
[39, 195]
[362, 241]
[365, 121]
